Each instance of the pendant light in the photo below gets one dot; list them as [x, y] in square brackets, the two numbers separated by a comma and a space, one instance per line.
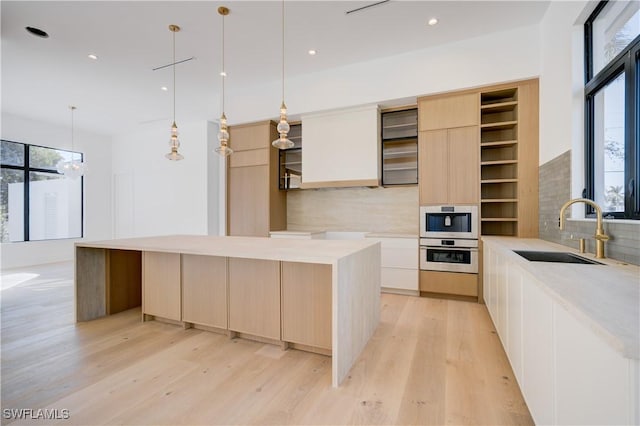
[174, 143]
[71, 168]
[283, 127]
[223, 135]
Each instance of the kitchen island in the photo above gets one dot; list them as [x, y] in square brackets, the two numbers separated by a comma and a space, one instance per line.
[314, 295]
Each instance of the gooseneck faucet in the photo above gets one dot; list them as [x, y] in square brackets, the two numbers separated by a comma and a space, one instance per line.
[600, 236]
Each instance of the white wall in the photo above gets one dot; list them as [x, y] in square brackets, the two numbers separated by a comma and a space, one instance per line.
[499, 57]
[559, 58]
[97, 192]
[155, 196]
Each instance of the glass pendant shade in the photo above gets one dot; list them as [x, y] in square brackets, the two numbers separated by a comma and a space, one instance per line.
[283, 129]
[174, 144]
[223, 137]
[72, 169]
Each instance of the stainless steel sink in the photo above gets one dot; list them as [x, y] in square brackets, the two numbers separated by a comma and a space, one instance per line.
[555, 256]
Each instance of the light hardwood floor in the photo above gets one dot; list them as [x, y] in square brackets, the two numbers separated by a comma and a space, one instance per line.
[430, 361]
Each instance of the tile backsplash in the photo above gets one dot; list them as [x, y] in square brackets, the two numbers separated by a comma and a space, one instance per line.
[555, 190]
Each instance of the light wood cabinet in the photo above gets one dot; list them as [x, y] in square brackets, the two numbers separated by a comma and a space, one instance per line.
[449, 283]
[449, 166]
[254, 297]
[448, 110]
[255, 206]
[306, 304]
[204, 290]
[509, 159]
[161, 285]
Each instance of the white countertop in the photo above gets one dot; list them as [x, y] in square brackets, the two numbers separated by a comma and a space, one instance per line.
[604, 297]
[311, 251]
[351, 234]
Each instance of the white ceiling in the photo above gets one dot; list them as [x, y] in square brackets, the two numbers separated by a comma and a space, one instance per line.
[42, 77]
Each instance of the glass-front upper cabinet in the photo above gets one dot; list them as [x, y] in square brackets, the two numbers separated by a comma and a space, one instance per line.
[291, 160]
[400, 147]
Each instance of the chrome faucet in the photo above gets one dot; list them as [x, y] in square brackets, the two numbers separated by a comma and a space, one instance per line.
[600, 236]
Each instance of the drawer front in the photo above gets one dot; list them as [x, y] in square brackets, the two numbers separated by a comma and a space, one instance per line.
[405, 279]
[396, 242]
[400, 257]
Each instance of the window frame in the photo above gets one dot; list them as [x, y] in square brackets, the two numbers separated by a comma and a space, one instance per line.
[626, 61]
[27, 170]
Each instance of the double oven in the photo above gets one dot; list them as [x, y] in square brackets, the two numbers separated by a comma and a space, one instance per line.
[449, 238]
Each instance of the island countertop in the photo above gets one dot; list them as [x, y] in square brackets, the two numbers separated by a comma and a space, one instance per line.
[604, 297]
[311, 251]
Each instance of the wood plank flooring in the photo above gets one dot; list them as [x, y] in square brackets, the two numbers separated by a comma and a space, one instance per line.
[429, 362]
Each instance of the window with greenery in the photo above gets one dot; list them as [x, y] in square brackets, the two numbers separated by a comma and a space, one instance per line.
[37, 202]
[612, 110]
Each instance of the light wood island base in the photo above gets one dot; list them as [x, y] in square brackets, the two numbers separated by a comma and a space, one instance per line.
[321, 296]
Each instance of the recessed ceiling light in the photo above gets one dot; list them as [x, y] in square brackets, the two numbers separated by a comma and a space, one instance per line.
[164, 88]
[223, 73]
[433, 21]
[92, 56]
[37, 32]
[312, 52]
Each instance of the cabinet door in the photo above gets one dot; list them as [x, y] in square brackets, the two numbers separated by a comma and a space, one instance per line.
[161, 285]
[248, 197]
[464, 165]
[306, 304]
[341, 148]
[204, 290]
[447, 111]
[538, 354]
[254, 297]
[249, 136]
[433, 166]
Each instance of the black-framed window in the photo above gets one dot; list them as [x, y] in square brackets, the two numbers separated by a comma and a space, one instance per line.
[612, 109]
[36, 201]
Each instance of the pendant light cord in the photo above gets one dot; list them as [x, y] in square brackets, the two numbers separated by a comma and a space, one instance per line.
[174, 77]
[224, 71]
[283, 51]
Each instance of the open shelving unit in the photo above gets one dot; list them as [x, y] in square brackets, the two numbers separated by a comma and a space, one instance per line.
[290, 162]
[499, 162]
[400, 147]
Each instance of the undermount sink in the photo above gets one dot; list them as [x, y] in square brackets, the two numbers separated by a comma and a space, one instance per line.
[555, 256]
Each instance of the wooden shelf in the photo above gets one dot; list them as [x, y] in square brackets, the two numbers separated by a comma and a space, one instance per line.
[498, 143]
[401, 126]
[499, 200]
[400, 154]
[499, 181]
[396, 169]
[498, 162]
[499, 125]
[499, 106]
[499, 219]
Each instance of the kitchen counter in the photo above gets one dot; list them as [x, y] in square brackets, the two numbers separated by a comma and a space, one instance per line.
[606, 297]
[109, 275]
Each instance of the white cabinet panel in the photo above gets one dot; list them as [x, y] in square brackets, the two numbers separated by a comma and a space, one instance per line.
[514, 320]
[402, 279]
[341, 148]
[537, 355]
[592, 380]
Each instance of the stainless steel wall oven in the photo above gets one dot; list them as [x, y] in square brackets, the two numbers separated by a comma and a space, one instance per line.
[449, 238]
